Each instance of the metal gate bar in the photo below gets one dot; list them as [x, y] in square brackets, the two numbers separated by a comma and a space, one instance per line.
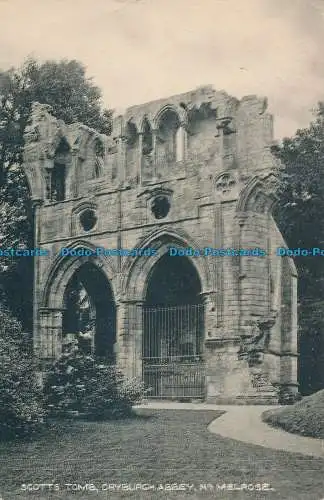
[173, 365]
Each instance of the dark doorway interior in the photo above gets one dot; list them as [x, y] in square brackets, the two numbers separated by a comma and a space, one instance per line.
[173, 319]
[173, 281]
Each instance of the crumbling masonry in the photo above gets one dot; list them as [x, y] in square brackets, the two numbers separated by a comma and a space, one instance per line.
[192, 171]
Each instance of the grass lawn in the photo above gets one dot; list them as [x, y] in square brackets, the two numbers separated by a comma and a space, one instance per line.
[305, 417]
[160, 446]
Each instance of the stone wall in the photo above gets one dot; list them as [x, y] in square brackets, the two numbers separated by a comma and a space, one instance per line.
[213, 170]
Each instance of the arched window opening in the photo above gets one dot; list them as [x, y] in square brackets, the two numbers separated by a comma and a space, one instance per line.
[147, 144]
[131, 134]
[57, 192]
[88, 219]
[56, 184]
[132, 141]
[99, 159]
[79, 320]
[200, 123]
[170, 138]
[89, 319]
[160, 206]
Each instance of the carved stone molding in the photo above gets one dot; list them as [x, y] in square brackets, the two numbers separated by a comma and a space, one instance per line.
[259, 194]
[225, 183]
[254, 345]
[225, 125]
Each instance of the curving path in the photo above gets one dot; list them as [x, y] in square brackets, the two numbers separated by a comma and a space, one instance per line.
[244, 423]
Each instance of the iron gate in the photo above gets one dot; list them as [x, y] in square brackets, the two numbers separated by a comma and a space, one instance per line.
[172, 355]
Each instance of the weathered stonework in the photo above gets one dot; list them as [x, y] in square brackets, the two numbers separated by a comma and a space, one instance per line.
[193, 170]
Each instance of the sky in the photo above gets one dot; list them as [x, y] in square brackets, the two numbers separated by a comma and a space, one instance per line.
[141, 50]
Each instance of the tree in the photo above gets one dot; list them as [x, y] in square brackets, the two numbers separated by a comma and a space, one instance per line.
[73, 97]
[300, 217]
[301, 201]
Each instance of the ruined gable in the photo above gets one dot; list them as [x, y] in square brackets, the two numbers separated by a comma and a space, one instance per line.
[194, 171]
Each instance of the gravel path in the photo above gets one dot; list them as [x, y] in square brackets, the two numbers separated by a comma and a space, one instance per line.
[244, 423]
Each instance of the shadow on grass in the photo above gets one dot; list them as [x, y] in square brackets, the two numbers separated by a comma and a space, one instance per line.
[53, 425]
[58, 427]
[153, 447]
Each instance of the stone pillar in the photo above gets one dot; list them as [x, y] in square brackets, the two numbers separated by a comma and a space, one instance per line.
[137, 334]
[254, 271]
[36, 204]
[129, 337]
[210, 314]
[238, 270]
[72, 175]
[242, 272]
[154, 153]
[275, 303]
[121, 148]
[139, 162]
[272, 356]
[185, 142]
[121, 336]
[221, 126]
[180, 143]
[120, 141]
[289, 356]
[217, 264]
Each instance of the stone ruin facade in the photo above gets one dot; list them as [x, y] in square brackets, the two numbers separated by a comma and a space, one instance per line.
[193, 172]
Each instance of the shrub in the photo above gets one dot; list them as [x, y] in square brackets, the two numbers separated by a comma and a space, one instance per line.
[288, 397]
[79, 384]
[306, 417]
[21, 408]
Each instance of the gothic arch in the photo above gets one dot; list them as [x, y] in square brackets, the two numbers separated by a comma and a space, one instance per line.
[98, 146]
[58, 139]
[144, 123]
[63, 269]
[258, 195]
[177, 110]
[170, 125]
[147, 138]
[136, 272]
[83, 137]
[131, 133]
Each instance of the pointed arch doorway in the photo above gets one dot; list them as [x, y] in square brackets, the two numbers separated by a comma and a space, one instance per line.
[89, 319]
[173, 331]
